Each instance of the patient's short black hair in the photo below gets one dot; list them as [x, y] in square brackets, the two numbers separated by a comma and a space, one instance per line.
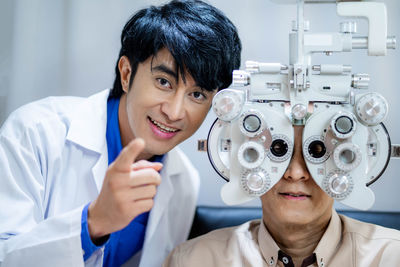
[202, 40]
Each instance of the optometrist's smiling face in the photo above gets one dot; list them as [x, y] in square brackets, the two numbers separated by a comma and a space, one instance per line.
[296, 200]
[158, 105]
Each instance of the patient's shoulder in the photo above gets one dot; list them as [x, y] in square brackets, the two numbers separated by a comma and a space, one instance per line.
[373, 245]
[216, 246]
[368, 231]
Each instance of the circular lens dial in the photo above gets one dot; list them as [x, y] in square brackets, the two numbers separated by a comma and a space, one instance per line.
[251, 154]
[252, 123]
[255, 182]
[281, 148]
[314, 149]
[338, 184]
[371, 109]
[227, 104]
[343, 125]
[347, 156]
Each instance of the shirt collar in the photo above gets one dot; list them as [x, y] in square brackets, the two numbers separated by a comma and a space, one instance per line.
[113, 136]
[269, 249]
[324, 251]
[329, 242]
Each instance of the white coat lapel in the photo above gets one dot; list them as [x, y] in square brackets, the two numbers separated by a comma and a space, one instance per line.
[164, 192]
[100, 169]
[88, 130]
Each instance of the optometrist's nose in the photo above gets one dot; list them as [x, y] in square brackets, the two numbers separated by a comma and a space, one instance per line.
[174, 107]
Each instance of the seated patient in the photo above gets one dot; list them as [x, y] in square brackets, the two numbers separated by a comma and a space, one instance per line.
[299, 228]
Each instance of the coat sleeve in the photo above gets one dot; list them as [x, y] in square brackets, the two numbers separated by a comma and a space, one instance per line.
[28, 237]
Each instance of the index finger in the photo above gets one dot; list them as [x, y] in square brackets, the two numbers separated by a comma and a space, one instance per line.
[129, 154]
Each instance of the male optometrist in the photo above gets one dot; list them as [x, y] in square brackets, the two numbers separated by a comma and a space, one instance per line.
[99, 181]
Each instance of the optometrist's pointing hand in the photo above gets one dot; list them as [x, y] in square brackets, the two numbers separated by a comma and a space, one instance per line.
[128, 190]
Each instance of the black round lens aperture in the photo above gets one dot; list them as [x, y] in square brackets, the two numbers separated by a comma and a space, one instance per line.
[279, 148]
[317, 149]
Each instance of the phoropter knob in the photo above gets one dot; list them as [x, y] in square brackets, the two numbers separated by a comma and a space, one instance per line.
[371, 109]
[227, 104]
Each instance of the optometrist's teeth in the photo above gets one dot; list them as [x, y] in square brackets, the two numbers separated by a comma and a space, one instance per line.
[164, 128]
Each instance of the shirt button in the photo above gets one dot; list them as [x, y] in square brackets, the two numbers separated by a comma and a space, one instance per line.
[285, 260]
[271, 261]
[322, 264]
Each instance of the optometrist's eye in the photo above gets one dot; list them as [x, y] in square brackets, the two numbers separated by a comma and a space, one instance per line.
[317, 149]
[199, 96]
[164, 83]
[279, 147]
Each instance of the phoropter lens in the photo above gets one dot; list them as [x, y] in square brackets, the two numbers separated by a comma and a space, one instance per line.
[317, 149]
[251, 155]
[344, 124]
[347, 156]
[279, 148]
[252, 123]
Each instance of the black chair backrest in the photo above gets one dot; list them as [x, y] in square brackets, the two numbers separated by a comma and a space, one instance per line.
[209, 218]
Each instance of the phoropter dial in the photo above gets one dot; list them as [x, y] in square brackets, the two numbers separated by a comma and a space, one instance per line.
[251, 154]
[371, 109]
[314, 149]
[338, 184]
[227, 104]
[255, 182]
[347, 156]
[343, 125]
[281, 148]
[252, 123]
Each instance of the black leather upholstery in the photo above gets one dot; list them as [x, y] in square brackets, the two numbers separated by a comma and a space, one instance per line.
[211, 218]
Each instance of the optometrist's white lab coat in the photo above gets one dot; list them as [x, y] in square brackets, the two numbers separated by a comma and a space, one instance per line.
[53, 158]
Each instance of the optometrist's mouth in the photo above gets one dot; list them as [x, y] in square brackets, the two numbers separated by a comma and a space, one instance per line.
[161, 130]
[295, 195]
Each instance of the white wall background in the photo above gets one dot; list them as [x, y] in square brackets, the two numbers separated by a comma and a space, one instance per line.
[70, 47]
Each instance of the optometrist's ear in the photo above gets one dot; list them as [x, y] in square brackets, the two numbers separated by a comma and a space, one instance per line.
[125, 71]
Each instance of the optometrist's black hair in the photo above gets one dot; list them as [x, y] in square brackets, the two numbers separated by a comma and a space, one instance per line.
[202, 40]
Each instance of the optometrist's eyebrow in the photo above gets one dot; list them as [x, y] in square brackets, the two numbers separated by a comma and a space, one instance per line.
[165, 69]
